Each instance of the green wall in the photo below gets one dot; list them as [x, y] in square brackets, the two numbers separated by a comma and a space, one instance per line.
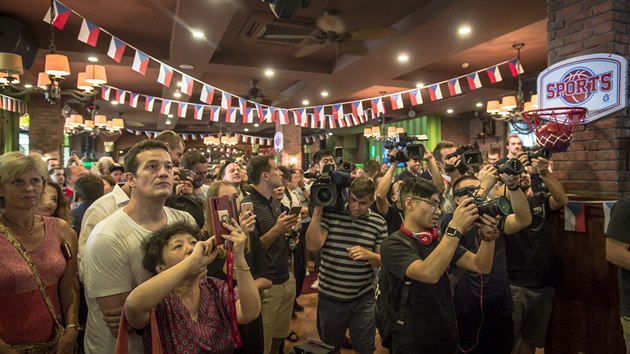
[429, 126]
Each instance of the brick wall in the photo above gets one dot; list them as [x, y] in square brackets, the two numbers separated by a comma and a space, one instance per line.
[597, 161]
[46, 128]
[292, 146]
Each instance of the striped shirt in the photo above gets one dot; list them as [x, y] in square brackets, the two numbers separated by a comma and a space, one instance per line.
[340, 277]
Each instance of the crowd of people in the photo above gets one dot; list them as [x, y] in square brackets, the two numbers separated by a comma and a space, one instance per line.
[418, 255]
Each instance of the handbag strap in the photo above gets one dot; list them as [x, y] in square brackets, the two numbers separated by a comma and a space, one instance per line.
[29, 262]
[122, 340]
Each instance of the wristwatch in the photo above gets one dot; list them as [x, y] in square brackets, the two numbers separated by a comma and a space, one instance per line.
[453, 232]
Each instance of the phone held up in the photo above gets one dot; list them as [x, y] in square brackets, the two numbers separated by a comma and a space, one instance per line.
[222, 209]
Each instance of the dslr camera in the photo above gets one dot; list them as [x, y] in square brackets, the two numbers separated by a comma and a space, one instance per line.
[409, 147]
[541, 152]
[511, 167]
[326, 190]
[470, 156]
[498, 206]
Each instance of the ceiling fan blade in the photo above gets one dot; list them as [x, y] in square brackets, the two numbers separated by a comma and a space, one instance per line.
[370, 34]
[353, 47]
[331, 23]
[308, 50]
[284, 36]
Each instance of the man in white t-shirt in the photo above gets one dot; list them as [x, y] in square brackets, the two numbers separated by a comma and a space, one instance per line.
[111, 265]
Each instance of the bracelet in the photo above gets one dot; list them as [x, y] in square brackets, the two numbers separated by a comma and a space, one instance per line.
[242, 269]
[73, 325]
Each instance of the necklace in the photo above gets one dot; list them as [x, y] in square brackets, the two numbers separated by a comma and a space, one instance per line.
[30, 231]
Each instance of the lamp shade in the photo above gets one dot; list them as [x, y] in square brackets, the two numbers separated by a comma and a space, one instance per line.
[391, 131]
[207, 140]
[76, 120]
[95, 74]
[57, 65]
[11, 64]
[376, 131]
[68, 123]
[367, 132]
[9, 78]
[43, 80]
[508, 102]
[100, 120]
[493, 107]
[400, 130]
[118, 123]
[82, 84]
[89, 124]
[527, 106]
[534, 101]
[110, 125]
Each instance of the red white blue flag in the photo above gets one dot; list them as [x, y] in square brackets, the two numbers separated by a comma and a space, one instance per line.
[357, 108]
[148, 103]
[182, 107]
[575, 217]
[337, 110]
[332, 122]
[89, 33]
[299, 115]
[120, 96]
[397, 101]
[284, 116]
[140, 62]
[377, 106]
[319, 113]
[166, 75]
[207, 94]
[494, 74]
[453, 87]
[473, 81]
[242, 103]
[187, 85]
[515, 67]
[226, 100]
[248, 117]
[313, 121]
[435, 92]
[105, 92]
[416, 97]
[62, 14]
[355, 120]
[259, 110]
[230, 115]
[166, 106]
[322, 123]
[214, 113]
[269, 114]
[198, 111]
[116, 49]
[133, 100]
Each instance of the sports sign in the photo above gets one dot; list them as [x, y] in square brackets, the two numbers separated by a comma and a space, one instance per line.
[597, 82]
[278, 141]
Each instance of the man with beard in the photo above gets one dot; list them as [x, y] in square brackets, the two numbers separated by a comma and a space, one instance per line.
[197, 166]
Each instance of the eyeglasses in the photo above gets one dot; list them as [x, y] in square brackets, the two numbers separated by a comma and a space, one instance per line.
[435, 204]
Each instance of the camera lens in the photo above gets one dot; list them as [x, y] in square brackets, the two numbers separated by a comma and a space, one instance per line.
[324, 195]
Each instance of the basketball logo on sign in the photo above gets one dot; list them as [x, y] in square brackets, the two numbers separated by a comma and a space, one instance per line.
[575, 95]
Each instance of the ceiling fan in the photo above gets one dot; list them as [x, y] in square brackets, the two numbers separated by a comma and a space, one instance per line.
[255, 94]
[332, 30]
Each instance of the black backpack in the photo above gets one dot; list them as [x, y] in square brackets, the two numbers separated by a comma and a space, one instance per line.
[388, 291]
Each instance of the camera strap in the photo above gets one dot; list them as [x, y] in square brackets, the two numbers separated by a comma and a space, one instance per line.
[229, 264]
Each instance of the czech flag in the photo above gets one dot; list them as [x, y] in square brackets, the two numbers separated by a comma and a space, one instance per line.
[435, 92]
[357, 108]
[261, 115]
[148, 103]
[242, 103]
[133, 100]
[269, 115]
[214, 113]
[105, 92]
[515, 67]
[416, 97]
[198, 110]
[337, 110]
[120, 96]
[182, 107]
[575, 217]
[453, 87]
[248, 117]
[166, 74]
[284, 116]
[313, 121]
[355, 120]
[377, 106]
[319, 113]
[207, 94]
[473, 81]
[226, 100]
[116, 49]
[187, 85]
[166, 106]
[322, 124]
[332, 122]
[397, 101]
[89, 33]
[230, 115]
[140, 62]
[494, 74]
[62, 14]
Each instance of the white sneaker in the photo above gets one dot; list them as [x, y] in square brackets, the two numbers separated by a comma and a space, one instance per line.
[315, 284]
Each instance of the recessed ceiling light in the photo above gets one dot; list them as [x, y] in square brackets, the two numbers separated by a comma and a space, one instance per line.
[403, 58]
[256, 125]
[186, 66]
[170, 116]
[479, 104]
[246, 129]
[464, 30]
[114, 102]
[177, 94]
[168, 122]
[305, 102]
[269, 73]
[180, 83]
[324, 93]
[449, 111]
[93, 59]
[465, 65]
[198, 34]
[420, 85]
[329, 134]
[28, 86]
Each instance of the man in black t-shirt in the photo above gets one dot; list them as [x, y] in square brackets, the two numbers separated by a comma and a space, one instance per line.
[618, 253]
[483, 303]
[414, 258]
[532, 266]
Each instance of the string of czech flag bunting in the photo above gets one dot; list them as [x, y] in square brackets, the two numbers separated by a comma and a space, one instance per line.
[251, 139]
[333, 116]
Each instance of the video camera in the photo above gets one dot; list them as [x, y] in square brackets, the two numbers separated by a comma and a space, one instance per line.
[541, 152]
[326, 190]
[407, 149]
[493, 207]
[470, 156]
[511, 167]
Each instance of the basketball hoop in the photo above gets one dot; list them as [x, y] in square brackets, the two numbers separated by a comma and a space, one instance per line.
[554, 126]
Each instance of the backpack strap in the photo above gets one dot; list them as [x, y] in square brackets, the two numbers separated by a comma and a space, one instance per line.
[404, 295]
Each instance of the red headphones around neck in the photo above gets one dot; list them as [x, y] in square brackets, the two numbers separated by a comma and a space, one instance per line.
[425, 236]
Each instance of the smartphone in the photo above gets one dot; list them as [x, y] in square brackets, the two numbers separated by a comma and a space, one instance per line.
[296, 210]
[222, 209]
[248, 206]
[183, 174]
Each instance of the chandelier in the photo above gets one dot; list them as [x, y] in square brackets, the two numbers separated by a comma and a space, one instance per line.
[220, 140]
[510, 108]
[382, 132]
[56, 68]
[98, 124]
